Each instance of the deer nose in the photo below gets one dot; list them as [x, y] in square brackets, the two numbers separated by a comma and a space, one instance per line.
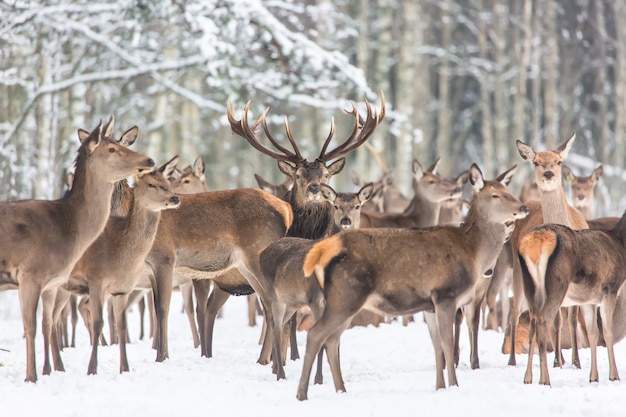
[346, 221]
[456, 190]
[548, 175]
[314, 188]
[523, 209]
[581, 196]
[175, 200]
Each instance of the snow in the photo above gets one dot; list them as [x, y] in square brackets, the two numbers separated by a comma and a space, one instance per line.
[388, 370]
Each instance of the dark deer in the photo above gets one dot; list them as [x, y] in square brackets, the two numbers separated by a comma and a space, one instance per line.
[312, 214]
[403, 271]
[561, 266]
[42, 240]
[282, 262]
[115, 261]
[551, 208]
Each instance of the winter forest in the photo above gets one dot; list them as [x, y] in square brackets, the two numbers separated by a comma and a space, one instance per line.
[463, 79]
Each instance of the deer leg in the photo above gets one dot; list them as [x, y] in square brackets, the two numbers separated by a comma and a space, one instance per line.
[573, 325]
[518, 294]
[279, 352]
[119, 303]
[559, 360]
[47, 326]
[332, 349]
[29, 298]
[548, 315]
[445, 312]
[61, 304]
[201, 288]
[253, 306]
[213, 305]
[74, 317]
[141, 306]
[95, 310]
[431, 322]
[589, 313]
[458, 319]
[607, 308]
[293, 338]
[473, 324]
[186, 290]
[532, 337]
[319, 377]
[162, 291]
[112, 324]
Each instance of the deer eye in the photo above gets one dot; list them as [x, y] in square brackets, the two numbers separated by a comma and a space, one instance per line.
[536, 164]
[559, 163]
[187, 181]
[336, 207]
[151, 185]
[357, 207]
[111, 150]
[495, 196]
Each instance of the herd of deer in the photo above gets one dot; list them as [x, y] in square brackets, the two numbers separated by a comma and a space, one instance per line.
[302, 247]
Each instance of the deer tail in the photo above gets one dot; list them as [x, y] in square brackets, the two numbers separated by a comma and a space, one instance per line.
[535, 250]
[320, 255]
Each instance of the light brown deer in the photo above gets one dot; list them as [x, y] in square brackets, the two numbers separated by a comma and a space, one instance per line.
[561, 266]
[429, 191]
[471, 310]
[403, 271]
[281, 264]
[113, 263]
[583, 189]
[42, 240]
[451, 211]
[551, 208]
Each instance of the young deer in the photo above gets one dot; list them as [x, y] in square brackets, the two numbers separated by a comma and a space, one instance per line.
[42, 240]
[561, 266]
[583, 189]
[281, 264]
[430, 190]
[403, 271]
[551, 208]
[115, 261]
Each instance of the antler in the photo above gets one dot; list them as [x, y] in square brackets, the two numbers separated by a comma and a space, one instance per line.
[378, 156]
[241, 128]
[357, 138]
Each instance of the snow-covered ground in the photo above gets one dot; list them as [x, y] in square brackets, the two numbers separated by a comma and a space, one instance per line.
[387, 370]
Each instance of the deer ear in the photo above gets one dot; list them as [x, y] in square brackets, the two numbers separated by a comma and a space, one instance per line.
[597, 173]
[93, 139]
[433, 168]
[169, 168]
[199, 168]
[418, 171]
[525, 151]
[287, 169]
[462, 178]
[476, 177]
[356, 178]
[567, 173]
[366, 192]
[506, 176]
[328, 192]
[108, 128]
[129, 137]
[82, 135]
[336, 167]
[563, 150]
[265, 185]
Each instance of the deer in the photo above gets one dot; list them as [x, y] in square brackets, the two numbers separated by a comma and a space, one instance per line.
[115, 261]
[583, 189]
[281, 263]
[429, 191]
[564, 267]
[551, 208]
[451, 210]
[44, 239]
[471, 310]
[312, 213]
[402, 271]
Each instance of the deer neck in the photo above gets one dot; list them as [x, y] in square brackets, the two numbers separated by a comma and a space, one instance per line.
[484, 238]
[424, 211]
[87, 207]
[586, 212]
[554, 207]
[310, 220]
[139, 228]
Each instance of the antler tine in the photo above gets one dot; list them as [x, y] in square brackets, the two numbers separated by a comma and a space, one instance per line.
[355, 140]
[328, 139]
[291, 140]
[241, 128]
[378, 156]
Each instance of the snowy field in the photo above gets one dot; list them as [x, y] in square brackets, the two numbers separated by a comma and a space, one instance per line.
[388, 371]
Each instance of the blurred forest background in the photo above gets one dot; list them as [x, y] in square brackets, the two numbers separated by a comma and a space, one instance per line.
[463, 79]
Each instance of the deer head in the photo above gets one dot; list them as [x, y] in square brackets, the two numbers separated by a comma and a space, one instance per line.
[347, 205]
[582, 186]
[190, 180]
[308, 175]
[547, 164]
